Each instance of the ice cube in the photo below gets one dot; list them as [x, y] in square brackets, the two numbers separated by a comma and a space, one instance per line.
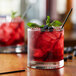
[57, 33]
[38, 53]
[45, 41]
[13, 25]
[58, 48]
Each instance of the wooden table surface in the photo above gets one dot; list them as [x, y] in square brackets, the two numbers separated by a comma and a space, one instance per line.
[12, 62]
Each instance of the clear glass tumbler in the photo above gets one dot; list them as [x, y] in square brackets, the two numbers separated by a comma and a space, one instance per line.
[11, 34]
[45, 49]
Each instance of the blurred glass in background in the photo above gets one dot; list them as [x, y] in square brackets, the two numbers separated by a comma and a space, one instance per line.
[11, 27]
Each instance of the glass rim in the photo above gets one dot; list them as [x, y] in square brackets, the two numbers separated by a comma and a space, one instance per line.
[8, 18]
[38, 29]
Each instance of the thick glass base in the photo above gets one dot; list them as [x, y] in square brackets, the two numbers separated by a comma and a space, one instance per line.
[13, 49]
[46, 65]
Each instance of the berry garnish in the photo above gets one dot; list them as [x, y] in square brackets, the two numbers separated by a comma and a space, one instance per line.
[50, 29]
[45, 27]
[65, 58]
[69, 57]
[74, 53]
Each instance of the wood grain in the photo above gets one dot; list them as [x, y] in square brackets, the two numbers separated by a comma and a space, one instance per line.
[12, 62]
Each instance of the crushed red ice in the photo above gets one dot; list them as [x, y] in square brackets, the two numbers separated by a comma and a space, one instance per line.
[48, 42]
[58, 48]
[38, 53]
[10, 32]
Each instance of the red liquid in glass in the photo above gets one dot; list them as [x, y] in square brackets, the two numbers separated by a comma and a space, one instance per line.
[46, 46]
[12, 33]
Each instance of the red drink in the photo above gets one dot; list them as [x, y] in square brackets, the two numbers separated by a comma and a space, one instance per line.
[45, 48]
[12, 32]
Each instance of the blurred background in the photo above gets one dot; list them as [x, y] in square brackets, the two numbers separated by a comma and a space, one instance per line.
[38, 10]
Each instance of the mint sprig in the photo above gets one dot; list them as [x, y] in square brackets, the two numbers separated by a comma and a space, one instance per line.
[13, 15]
[48, 20]
[42, 26]
[55, 23]
[32, 25]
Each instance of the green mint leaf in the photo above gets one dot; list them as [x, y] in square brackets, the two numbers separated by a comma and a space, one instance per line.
[48, 20]
[32, 25]
[13, 14]
[42, 26]
[56, 23]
